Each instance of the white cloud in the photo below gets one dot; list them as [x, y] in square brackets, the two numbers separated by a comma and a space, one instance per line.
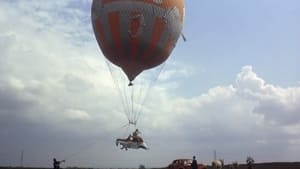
[237, 115]
[293, 129]
[41, 63]
[295, 141]
[276, 104]
[173, 70]
[74, 114]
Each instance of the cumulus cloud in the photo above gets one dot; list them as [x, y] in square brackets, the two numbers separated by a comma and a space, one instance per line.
[276, 104]
[43, 72]
[249, 113]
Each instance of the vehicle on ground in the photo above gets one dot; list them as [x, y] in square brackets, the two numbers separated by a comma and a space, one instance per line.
[184, 164]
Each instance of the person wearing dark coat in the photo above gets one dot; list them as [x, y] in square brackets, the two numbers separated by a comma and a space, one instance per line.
[194, 164]
[57, 163]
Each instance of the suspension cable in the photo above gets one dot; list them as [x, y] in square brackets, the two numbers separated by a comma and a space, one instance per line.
[122, 95]
[147, 91]
[127, 101]
[132, 110]
[82, 149]
[132, 102]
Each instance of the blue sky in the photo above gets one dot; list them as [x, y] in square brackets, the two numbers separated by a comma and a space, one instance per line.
[233, 87]
[225, 35]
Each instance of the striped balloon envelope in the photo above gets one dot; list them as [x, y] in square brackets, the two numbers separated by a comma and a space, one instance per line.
[137, 35]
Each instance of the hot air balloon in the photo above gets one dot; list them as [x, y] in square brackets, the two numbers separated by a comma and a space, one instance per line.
[137, 35]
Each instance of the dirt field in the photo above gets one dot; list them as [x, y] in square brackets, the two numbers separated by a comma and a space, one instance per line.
[275, 165]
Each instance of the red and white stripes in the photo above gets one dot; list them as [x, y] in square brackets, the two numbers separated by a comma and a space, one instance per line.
[137, 34]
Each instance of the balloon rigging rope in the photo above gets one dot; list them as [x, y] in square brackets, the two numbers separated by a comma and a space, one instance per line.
[127, 130]
[126, 100]
[117, 85]
[148, 89]
[139, 98]
[132, 111]
[84, 148]
[132, 104]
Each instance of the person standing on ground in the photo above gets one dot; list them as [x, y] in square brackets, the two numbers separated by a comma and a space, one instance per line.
[57, 163]
[194, 164]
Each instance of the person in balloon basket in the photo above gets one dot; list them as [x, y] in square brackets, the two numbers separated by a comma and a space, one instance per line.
[136, 137]
[57, 163]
